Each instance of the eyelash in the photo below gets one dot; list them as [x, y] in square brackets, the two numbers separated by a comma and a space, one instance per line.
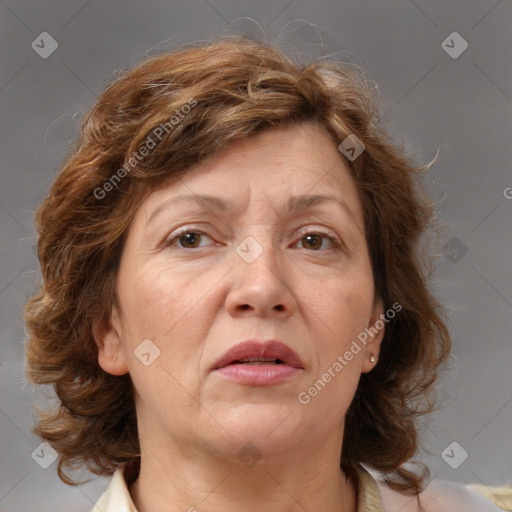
[336, 244]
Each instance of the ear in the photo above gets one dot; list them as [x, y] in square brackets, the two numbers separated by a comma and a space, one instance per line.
[110, 344]
[376, 330]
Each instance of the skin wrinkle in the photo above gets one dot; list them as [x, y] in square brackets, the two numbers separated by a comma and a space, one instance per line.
[295, 205]
[326, 299]
[191, 302]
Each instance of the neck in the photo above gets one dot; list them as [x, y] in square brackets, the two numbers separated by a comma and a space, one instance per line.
[184, 479]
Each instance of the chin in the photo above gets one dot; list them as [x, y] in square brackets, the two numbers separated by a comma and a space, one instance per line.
[269, 427]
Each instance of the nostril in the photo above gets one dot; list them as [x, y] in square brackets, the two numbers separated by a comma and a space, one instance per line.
[279, 307]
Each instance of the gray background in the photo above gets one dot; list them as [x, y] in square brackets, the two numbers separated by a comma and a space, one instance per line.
[460, 106]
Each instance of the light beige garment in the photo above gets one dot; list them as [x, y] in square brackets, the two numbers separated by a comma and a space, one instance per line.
[439, 496]
[374, 496]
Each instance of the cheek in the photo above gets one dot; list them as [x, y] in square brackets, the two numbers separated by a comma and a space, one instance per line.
[174, 309]
[158, 300]
[340, 317]
[343, 308]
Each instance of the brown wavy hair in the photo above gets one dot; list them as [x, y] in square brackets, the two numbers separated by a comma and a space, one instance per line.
[234, 87]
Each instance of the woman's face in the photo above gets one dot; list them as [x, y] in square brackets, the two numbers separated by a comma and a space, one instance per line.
[199, 276]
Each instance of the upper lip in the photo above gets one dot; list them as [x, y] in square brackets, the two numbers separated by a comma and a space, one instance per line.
[254, 348]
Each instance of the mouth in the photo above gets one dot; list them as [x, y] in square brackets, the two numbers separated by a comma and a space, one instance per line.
[253, 352]
[256, 363]
[258, 360]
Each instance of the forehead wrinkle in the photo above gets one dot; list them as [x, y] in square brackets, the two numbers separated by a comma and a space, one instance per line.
[206, 201]
[295, 205]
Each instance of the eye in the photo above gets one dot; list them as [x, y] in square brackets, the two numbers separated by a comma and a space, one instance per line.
[313, 240]
[187, 238]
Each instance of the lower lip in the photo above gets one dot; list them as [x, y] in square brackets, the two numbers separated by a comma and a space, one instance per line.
[258, 374]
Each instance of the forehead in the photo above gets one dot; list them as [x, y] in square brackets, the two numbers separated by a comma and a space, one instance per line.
[268, 168]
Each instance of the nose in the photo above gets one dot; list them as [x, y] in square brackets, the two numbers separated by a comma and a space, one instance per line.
[262, 287]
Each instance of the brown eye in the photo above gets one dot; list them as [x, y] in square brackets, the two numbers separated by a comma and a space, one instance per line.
[188, 239]
[312, 241]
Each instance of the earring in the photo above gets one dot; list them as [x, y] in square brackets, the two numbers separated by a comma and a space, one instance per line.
[372, 359]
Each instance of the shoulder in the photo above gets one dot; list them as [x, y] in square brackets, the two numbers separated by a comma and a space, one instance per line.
[438, 496]
[444, 496]
[501, 496]
[116, 497]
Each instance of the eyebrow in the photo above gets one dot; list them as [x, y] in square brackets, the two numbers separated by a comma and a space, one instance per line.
[296, 204]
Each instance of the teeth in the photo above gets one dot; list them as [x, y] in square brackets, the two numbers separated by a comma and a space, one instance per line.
[257, 360]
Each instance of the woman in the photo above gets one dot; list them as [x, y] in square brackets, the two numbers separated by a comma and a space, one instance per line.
[235, 311]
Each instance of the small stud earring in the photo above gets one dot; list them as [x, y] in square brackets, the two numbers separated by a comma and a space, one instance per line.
[372, 359]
